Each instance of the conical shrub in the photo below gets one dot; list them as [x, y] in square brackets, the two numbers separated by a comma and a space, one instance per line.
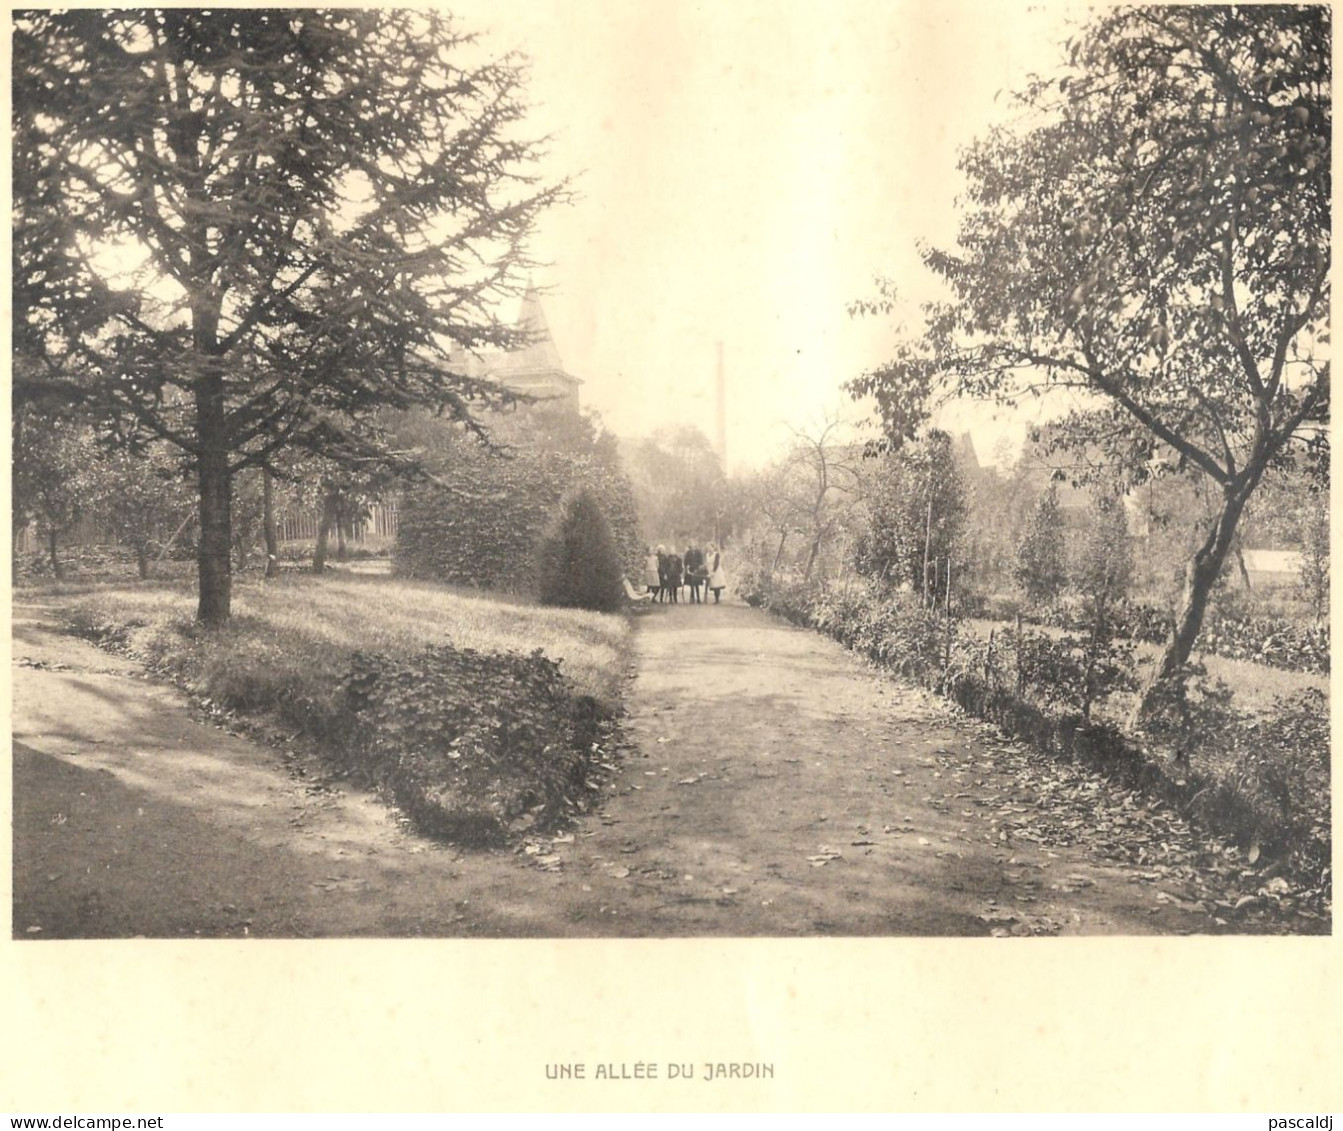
[577, 563]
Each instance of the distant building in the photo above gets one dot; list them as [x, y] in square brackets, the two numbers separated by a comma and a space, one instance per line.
[963, 451]
[535, 369]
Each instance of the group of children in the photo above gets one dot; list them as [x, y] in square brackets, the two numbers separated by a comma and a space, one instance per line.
[666, 574]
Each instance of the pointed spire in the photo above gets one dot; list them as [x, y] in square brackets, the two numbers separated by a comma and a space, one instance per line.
[540, 353]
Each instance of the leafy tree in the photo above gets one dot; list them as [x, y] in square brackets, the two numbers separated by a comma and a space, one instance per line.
[1042, 565]
[53, 481]
[577, 561]
[1155, 238]
[142, 499]
[317, 204]
[679, 484]
[916, 508]
[1103, 570]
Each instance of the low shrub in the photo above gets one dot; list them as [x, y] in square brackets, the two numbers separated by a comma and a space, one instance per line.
[1127, 619]
[1274, 641]
[1262, 780]
[1068, 674]
[576, 563]
[470, 744]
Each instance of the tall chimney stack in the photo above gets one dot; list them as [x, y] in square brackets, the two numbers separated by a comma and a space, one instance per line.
[720, 407]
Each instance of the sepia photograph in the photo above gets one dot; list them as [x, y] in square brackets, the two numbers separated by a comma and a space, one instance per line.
[605, 471]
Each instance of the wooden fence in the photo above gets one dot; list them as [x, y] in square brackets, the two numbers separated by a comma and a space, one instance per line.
[292, 527]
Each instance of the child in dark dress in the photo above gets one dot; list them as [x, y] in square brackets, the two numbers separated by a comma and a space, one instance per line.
[675, 573]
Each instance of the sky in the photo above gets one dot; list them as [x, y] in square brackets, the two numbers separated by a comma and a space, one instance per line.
[744, 171]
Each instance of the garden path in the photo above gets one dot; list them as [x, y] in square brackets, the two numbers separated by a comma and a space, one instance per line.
[772, 786]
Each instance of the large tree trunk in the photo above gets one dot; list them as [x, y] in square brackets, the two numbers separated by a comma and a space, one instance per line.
[1200, 576]
[215, 553]
[268, 523]
[324, 532]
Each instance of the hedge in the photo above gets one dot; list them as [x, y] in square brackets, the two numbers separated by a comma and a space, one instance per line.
[484, 530]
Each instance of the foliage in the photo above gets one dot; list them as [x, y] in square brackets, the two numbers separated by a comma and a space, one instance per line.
[999, 510]
[1266, 777]
[1156, 237]
[480, 523]
[1069, 674]
[1042, 568]
[500, 740]
[53, 479]
[1268, 640]
[291, 650]
[319, 203]
[1104, 565]
[1125, 619]
[679, 486]
[142, 500]
[914, 516]
[577, 564]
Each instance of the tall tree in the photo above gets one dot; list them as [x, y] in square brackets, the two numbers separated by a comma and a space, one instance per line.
[679, 484]
[243, 230]
[1103, 568]
[53, 481]
[1042, 565]
[915, 515]
[1155, 239]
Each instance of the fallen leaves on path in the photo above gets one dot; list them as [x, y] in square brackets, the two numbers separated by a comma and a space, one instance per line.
[1017, 794]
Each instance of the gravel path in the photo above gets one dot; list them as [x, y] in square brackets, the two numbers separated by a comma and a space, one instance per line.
[773, 786]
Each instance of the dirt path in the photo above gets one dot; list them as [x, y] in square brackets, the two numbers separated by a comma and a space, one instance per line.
[776, 787]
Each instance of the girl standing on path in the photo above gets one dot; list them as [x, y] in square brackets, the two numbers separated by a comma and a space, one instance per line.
[694, 571]
[653, 571]
[717, 577]
[673, 582]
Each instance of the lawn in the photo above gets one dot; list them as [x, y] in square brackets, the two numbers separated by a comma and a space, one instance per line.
[291, 639]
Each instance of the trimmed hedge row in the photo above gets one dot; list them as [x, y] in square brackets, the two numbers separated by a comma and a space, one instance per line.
[484, 531]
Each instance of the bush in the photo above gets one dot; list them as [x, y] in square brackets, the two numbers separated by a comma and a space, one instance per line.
[1070, 674]
[470, 744]
[577, 563]
[752, 583]
[1267, 640]
[485, 534]
[1041, 567]
[1264, 781]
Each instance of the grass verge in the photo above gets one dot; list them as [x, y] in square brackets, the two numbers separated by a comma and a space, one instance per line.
[296, 648]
